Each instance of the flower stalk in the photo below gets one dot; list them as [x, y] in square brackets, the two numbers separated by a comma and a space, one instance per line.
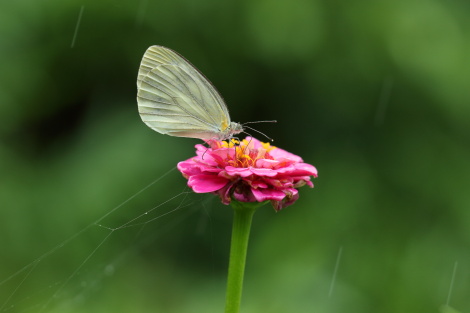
[243, 216]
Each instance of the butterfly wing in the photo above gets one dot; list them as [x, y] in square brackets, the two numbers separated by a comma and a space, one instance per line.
[174, 98]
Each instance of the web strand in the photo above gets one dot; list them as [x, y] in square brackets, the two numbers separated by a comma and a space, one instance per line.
[182, 202]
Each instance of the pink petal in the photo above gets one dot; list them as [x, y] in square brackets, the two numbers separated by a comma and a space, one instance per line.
[263, 172]
[265, 163]
[206, 183]
[278, 205]
[244, 196]
[291, 192]
[280, 153]
[206, 168]
[256, 183]
[200, 149]
[224, 153]
[273, 182]
[188, 168]
[238, 171]
[267, 194]
[225, 193]
[304, 169]
[286, 170]
[254, 143]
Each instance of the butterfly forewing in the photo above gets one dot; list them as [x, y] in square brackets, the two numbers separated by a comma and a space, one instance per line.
[175, 98]
[155, 56]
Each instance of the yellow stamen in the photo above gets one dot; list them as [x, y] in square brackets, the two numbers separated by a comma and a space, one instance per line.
[245, 154]
[267, 146]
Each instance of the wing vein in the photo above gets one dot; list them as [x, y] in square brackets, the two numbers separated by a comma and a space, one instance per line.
[175, 98]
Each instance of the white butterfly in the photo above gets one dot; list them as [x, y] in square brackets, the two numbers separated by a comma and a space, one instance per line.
[174, 98]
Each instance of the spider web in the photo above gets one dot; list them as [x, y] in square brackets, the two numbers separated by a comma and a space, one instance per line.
[110, 242]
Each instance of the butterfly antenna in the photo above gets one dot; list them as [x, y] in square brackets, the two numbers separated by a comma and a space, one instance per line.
[271, 121]
[259, 133]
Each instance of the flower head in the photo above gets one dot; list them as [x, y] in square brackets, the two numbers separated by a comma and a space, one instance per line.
[247, 171]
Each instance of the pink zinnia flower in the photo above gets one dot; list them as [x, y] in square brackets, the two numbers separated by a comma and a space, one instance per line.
[249, 171]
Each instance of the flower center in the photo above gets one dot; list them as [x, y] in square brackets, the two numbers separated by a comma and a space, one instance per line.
[246, 154]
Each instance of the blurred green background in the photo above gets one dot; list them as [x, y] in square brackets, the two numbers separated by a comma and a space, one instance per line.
[374, 93]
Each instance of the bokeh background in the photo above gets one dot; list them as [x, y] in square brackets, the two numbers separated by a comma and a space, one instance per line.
[374, 93]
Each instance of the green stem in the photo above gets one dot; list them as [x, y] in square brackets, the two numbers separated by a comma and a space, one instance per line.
[243, 215]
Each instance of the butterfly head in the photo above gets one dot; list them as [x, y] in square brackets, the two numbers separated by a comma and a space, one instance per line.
[230, 130]
[235, 128]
